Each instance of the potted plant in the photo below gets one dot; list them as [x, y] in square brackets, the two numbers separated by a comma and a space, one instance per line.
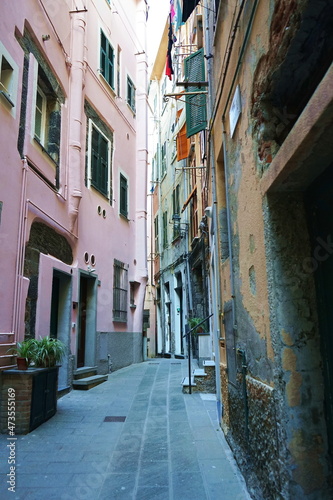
[193, 322]
[25, 352]
[48, 352]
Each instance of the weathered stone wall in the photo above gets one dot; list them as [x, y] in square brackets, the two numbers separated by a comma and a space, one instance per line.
[125, 348]
[296, 342]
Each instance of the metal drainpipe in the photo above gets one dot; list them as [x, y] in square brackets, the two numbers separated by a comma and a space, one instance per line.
[160, 220]
[20, 252]
[232, 280]
[215, 278]
[246, 405]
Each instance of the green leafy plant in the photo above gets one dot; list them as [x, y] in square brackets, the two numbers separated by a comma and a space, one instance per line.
[193, 322]
[25, 349]
[48, 352]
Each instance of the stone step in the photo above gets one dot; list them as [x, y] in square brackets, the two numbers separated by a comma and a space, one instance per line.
[209, 363]
[84, 372]
[185, 382]
[199, 372]
[89, 382]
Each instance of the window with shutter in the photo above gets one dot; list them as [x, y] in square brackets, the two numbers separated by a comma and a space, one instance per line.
[165, 229]
[99, 161]
[120, 291]
[123, 205]
[195, 105]
[156, 234]
[47, 117]
[131, 94]
[107, 60]
[183, 144]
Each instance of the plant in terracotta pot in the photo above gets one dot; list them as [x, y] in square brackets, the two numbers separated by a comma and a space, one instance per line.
[48, 352]
[193, 322]
[25, 352]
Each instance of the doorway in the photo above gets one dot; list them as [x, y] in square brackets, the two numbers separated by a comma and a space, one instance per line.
[320, 215]
[86, 341]
[60, 318]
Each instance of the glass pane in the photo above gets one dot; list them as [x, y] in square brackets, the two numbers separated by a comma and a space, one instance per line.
[38, 124]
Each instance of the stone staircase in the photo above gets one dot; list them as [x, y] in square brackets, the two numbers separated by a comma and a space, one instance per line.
[86, 378]
[202, 380]
[7, 359]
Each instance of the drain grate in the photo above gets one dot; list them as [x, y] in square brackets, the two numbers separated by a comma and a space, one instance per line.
[114, 419]
[153, 363]
[175, 363]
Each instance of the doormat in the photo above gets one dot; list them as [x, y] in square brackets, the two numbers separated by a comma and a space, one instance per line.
[114, 419]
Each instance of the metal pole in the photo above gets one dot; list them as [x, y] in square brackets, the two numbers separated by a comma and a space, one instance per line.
[188, 333]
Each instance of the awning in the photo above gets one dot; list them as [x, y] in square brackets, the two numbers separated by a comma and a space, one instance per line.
[193, 192]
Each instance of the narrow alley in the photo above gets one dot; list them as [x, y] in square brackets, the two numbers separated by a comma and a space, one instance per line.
[136, 436]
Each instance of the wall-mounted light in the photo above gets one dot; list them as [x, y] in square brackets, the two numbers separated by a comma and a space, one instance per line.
[45, 38]
[209, 212]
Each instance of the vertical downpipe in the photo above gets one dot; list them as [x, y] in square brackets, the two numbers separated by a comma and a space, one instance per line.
[215, 273]
[20, 255]
[140, 173]
[74, 167]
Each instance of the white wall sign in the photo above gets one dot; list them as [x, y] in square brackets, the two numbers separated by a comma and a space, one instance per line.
[235, 110]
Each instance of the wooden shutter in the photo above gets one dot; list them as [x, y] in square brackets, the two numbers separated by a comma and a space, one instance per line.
[195, 105]
[123, 195]
[99, 161]
[103, 165]
[183, 144]
[103, 55]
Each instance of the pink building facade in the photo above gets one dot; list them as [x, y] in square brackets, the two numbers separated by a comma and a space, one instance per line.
[73, 135]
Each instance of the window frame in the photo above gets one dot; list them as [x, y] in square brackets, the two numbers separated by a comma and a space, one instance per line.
[118, 64]
[165, 229]
[120, 291]
[156, 235]
[123, 180]
[9, 82]
[107, 193]
[43, 112]
[49, 138]
[130, 93]
[109, 63]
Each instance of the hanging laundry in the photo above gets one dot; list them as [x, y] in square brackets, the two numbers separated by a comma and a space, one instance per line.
[178, 19]
[188, 8]
[168, 67]
[172, 10]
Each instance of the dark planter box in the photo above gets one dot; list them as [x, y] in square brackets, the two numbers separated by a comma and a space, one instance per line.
[35, 397]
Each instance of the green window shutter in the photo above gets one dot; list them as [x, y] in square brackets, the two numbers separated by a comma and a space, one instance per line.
[94, 157]
[107, 60]
[103, 167]
[131, 94]
[99, 161]
[195, 105]
[165, 229]
[123, 196]
[103, 54]
[110, 77]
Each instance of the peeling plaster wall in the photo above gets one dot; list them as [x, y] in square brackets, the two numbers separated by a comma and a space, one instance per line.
[296, 343]
[273, 416]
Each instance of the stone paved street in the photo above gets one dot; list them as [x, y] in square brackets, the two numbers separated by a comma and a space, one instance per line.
[167, 445]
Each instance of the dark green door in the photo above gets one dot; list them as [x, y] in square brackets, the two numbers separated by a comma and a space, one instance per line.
[320, 213]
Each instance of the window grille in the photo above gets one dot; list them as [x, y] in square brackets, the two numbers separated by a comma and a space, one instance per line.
[120, 291]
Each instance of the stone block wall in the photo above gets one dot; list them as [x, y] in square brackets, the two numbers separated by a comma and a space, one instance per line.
[124, 348]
